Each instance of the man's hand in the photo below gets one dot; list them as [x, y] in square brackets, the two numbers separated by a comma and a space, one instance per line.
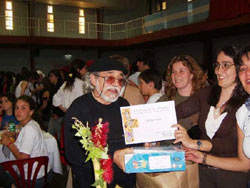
[119, 157]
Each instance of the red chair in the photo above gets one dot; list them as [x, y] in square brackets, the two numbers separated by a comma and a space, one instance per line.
[30, 182]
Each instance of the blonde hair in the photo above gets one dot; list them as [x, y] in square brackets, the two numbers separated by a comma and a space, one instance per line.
[198, 80]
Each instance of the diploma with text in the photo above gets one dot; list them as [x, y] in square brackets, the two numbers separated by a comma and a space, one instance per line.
[148, 122]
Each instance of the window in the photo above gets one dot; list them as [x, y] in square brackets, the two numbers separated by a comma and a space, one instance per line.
[50, 19]
[50, 9]
[8, 15]
[164, 5]
[190, 11]
[81, 21]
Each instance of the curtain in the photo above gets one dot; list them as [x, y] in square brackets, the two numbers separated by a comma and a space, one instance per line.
[226, 9]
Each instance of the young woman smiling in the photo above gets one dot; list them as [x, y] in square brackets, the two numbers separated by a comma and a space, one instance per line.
[184, 78]
[242, 161]
[29, 142]
[217, 106]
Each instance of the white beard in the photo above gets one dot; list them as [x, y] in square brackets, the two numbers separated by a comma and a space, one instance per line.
[112, 97]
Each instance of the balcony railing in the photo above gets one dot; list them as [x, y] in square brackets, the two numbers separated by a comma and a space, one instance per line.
[181, 15]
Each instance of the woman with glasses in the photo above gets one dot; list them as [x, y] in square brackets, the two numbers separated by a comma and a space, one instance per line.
[242, 162]
[217, 106]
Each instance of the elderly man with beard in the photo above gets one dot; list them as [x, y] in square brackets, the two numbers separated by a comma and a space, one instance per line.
[107, 78]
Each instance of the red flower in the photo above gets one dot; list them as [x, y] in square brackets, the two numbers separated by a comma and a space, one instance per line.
[100, 134]
[106, 165]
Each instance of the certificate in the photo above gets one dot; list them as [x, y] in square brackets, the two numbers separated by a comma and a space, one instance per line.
[148, 122]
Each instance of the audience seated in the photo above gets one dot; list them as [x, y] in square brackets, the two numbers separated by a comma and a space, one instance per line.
[8, 101]
[29, 141]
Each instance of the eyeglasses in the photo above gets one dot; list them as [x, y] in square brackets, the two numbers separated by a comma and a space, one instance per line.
[110, 80]
[224, 66]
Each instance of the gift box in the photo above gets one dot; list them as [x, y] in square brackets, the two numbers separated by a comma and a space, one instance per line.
[155, 159]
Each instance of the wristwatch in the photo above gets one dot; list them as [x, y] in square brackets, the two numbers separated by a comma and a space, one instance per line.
[199, 144]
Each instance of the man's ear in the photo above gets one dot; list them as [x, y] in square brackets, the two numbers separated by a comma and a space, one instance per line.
[31, 113]
[92, 79]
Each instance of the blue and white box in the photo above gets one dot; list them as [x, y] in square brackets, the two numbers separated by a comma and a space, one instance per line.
[155, 159]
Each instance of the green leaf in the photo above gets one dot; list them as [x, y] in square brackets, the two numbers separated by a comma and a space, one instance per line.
[78, 134]
[99, 182]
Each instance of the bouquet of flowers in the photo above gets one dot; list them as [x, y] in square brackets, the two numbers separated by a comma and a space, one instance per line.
[94, 141]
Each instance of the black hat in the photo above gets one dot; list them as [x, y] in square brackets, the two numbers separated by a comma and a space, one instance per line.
[107, 64]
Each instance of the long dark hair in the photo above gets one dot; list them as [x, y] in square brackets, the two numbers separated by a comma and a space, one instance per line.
[243, 52]
[59, 77]
[237, 98]
[12, 98]
[8, 80]
[75, 67]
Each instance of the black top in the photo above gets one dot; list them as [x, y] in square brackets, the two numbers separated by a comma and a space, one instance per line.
[87, 109]
[224, 141]
[53, 90]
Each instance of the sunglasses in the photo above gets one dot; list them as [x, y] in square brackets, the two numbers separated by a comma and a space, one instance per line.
[183, 59]
[110, 80]
[224, 66]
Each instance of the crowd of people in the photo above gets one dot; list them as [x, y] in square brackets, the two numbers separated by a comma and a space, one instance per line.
[213, 119]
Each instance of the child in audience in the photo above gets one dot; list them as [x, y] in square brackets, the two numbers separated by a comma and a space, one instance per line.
[30, 142]
[150, 84]
[8, 109]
